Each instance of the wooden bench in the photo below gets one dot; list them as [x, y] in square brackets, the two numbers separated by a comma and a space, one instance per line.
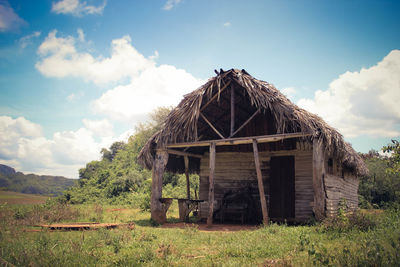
[186, 206]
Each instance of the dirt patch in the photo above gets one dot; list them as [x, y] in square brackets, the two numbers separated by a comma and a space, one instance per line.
[214, 228]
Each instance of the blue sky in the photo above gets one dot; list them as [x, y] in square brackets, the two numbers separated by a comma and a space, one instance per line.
[77, 75]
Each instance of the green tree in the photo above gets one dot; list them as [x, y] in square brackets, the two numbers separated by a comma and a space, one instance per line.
[394, 159]
[117, 177]
[381, 187]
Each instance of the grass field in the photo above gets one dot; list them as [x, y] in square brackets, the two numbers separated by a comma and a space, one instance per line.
[371, 240]
[20, 198]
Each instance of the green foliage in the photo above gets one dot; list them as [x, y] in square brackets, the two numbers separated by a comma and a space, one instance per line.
[118, 179]
[381, 187]
[394, 159]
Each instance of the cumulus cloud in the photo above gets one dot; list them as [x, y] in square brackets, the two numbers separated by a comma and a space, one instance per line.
[26, 40]
[101, 128]
[81, 35]
[227, 24]
[60, 58]
[77, 8]
[364, 102]
[289, 92]
[24, 147]
[9, 20]
[149, 85]
[154, 87]
[170, 4]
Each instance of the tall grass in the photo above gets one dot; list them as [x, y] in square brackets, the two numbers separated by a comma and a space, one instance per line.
[352, 241]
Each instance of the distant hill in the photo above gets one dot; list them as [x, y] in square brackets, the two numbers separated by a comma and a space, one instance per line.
[32, 183]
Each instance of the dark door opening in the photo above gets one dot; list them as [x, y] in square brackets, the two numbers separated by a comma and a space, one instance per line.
[282, 188]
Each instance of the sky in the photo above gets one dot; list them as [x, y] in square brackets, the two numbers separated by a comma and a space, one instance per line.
[76, 76]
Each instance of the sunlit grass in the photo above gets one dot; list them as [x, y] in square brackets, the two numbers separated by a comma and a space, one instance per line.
[157, 246]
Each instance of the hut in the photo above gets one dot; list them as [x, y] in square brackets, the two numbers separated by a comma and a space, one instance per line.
[259, 156]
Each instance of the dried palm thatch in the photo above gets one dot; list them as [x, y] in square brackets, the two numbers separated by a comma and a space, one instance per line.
[182, 123]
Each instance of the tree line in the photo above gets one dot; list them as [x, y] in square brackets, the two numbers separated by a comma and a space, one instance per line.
[118, 178]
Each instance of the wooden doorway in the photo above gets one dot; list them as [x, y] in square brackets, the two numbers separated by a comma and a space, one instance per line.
[282, 188]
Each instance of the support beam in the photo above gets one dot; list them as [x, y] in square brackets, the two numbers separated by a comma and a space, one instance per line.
[212, 126]
[245, 123]
[260, 183]
[232, 111]
[211, 185]
[158, 209]
[181, 153]
[215, 96]
[318, 179]
[240, 140]
[186, 159]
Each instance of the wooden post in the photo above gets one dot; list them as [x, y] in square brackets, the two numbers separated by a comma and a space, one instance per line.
[260, 183]
[211, 185]
[318, 179]
[186, 159]
[232, 110]
[158, 209]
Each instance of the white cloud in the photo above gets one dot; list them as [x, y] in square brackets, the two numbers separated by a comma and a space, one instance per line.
[364, 102]
[77, 7]
[81, 35]
[9, 20]
[26, 40]
[154, 87]
[227, 24]
[101, 128]
[149, 85]
[60, 58]
[289, 92]
[23, 146]
[75, 96]
[170, 4]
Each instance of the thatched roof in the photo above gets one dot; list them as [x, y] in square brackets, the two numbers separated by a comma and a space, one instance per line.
[183, 122]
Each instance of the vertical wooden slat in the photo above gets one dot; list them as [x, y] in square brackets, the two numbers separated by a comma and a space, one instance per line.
[158, 212]
[260, 183]
[186, 159]
[232, 110]
[211, 185]
[318, 179]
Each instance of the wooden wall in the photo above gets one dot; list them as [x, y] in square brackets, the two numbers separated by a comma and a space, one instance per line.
[338, 188]
[236, 171]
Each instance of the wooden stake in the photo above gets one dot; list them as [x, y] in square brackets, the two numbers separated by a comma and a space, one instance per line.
[318, 180]
[186, 159]
[211, 185]
[260, 183]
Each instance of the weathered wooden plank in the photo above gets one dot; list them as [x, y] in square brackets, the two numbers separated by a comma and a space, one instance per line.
[186, 160]
[318, 184]
[260, 183]
[211, 185]
[181, 153]
[240, 140]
